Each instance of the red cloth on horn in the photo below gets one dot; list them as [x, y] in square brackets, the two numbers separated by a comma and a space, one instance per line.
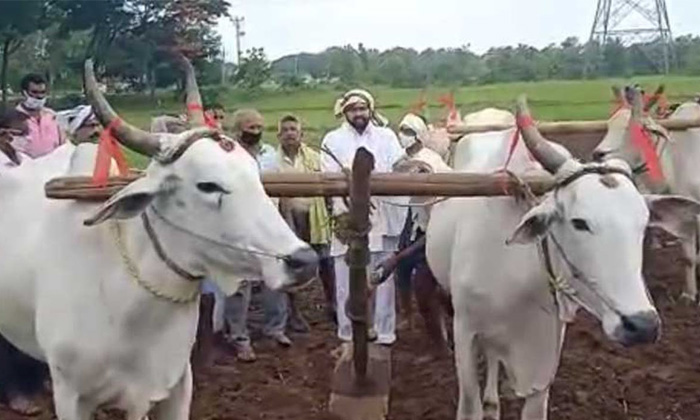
[641, 139]
[107, 149]
[521, 122]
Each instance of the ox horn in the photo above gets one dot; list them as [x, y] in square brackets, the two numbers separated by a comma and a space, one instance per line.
[655, 97]
[547, 155]
[637, 104]
[619, 96]
[195, 111]
[130, 136]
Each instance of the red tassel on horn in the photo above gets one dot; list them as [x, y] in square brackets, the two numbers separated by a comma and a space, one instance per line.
[208, 119]
[418, 106]
[107, 149]
[449, 101]
[523, 121]
[642, 140]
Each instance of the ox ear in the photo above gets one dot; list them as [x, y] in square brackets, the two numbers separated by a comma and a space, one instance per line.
[535, 223]
[129, 202]
[674, 214]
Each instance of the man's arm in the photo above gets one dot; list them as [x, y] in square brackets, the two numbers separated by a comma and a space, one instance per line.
[394, 149]
[328, 164]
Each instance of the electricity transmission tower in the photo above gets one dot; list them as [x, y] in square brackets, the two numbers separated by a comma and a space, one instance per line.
[641, 22]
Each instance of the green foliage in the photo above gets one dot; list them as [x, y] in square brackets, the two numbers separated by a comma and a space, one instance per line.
[401, 67]
[131, 41]
[17, 20]
[254, 69]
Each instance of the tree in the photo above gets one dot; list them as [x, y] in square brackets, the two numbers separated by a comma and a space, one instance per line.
[615, 59]
[136, 37]
[17, 19]
[254, 70]
[107, 20]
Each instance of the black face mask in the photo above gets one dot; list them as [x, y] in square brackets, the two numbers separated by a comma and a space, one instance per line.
[250, 138]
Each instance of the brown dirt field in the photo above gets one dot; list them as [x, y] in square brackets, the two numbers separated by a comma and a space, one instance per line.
[596, 380]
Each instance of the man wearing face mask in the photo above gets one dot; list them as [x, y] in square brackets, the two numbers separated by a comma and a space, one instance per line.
[363, 127]
[44, 134]
[247, 128]
[80, 124]
[412, 271]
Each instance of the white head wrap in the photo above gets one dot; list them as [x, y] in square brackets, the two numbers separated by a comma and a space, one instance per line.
[357, 96]
[168, 124]
[70, 120]
[418, 126]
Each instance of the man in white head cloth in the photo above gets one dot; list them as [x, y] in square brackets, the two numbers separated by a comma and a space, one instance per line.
[364, 127]
[415, 138]
[417, 158]
[412, 271]
[80, 124]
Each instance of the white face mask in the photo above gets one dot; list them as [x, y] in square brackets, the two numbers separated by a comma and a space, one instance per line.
[33, 103]
[406, 141]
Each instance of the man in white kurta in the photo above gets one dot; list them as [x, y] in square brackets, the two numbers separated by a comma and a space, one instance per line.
[363, 127]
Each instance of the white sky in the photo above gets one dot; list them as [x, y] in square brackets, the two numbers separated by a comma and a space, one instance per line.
[290, 26]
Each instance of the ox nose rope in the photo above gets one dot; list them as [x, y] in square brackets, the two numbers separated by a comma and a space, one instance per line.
[215, 242]
[187, 292]
[162, 254]
[559, 283]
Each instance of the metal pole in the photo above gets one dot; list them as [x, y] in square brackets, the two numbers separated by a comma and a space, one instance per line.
[237, 22]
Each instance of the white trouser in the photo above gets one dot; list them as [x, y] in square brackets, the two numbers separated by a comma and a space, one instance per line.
[385, 309]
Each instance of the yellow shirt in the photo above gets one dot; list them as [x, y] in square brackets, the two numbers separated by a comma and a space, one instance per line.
[308, 160]
[294, 165]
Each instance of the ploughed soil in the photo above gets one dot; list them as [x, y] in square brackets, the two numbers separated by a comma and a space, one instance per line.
[597, 379]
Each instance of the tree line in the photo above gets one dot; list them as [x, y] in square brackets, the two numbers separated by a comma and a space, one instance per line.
[403, 67]
[131, 41]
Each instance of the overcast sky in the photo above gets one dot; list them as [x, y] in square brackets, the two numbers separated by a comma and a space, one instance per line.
[290, 26]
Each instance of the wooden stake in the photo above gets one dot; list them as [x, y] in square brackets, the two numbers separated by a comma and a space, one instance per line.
[362, 377]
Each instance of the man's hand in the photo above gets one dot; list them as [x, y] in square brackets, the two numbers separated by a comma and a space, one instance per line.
[383, 270]
[5, 146]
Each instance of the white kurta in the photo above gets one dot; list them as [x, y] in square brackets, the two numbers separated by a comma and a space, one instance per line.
[387, 222]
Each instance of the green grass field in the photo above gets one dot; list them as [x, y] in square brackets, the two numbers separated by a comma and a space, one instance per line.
[550, 100]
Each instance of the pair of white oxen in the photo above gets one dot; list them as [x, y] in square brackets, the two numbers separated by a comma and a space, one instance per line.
[107, 294]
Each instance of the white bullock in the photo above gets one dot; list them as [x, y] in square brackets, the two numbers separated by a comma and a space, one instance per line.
[505, 307]
[679, 156]
[108, 294]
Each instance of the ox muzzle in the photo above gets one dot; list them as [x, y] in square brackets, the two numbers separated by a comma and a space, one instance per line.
[302, 266]
[640, 328]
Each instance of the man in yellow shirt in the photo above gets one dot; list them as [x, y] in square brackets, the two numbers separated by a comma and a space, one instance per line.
[307, 216]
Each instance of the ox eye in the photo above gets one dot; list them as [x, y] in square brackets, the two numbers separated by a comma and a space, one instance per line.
[210, 187]
[580, 224]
